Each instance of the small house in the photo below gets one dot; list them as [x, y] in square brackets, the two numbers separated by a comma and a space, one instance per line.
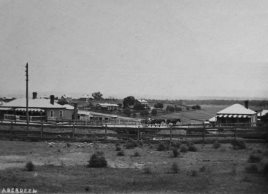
[38, 109]
[236, 114]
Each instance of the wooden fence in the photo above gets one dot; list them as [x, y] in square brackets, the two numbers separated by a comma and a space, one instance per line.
[74, 131]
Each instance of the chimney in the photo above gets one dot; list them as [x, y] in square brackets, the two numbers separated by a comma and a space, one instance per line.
[246, 104]
[34, 95]
[52, 98]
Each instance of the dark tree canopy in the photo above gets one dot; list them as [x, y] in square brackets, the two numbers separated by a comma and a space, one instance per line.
[170, 108]
[144, 113]
[62, 101]
[159, 105]
[97, 95]
[128, 101]
[138, 105]
[154, 112]
[127, 112]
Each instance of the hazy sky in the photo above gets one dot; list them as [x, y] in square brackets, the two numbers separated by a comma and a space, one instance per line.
[145, 48]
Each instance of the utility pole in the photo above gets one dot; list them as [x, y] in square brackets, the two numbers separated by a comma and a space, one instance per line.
[27, 97]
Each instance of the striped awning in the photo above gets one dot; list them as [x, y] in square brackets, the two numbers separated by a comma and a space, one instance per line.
[30, 109]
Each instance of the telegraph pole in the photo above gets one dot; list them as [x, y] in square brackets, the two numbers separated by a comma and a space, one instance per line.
[27, 97]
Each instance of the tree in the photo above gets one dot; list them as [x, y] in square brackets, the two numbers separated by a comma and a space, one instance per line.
[159, 105]
[127, 112]
[62, 101]
[97, 95]
[144, 113]
[154, 112]
[170, 108]
[138, 105]
[128, 101]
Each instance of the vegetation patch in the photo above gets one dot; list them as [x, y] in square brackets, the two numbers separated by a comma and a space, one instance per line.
[162, 147]
[238, 144]
[184, 148]
[174, 168]
[175, 152]
[254, 158]
[216, 145]
[120, 153]
[97, 160]
[29, 166]
[131, 144]
[252, 168]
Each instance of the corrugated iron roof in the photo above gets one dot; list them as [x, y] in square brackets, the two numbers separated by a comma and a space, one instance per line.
[33, 103]
[237, 109]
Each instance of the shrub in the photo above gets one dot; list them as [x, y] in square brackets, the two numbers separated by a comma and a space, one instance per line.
[147, 170]
[117, 147]
[97, 160]
[176, 144]
[120, 153]
[162, 147]
[251, 168]
[136, 154]
[184, 148]
[253, 158]
[192, 148]
[131, 144]
[193, 173]
[265, 169]
[175, 152]
[29, 166]
[174, 168]
[238, 144]
[216, 145]
[202, 169]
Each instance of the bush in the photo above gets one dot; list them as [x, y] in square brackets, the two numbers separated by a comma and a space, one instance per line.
[176, 144]
[265, 169]
[120, 153]
[174, 168]
[117, 147]
[251, 168]
[147, 170]
[131, 144]
[238, 144]
[136, 154]
[162, 147]
[175, 152]
[97, 160]
[253, 158]
[216, 145]
[29, 166]
[202, 169]
[192, 148]
[193, 173]
[184, 148]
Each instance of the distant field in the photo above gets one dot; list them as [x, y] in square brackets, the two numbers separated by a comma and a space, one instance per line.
[193, 116]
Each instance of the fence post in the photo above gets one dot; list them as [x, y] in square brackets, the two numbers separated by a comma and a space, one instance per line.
[234, 133]
[42, 129]
[106, 132]
[11, 129]
[138, 135]
[203, 135]
[73, 129]
[170, 138]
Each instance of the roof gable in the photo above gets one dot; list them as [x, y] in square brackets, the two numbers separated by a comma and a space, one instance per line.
[236, 109]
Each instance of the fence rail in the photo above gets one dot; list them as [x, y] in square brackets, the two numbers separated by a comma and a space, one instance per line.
[74, 131]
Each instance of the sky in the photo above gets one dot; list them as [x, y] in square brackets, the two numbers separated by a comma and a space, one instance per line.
[168, 49]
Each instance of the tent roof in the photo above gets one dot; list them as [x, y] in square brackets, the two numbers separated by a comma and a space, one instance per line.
[236, 109]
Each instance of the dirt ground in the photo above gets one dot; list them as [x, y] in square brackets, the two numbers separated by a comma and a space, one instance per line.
[61, 167]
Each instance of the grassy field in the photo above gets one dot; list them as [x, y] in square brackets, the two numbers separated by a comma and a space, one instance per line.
[61, 167]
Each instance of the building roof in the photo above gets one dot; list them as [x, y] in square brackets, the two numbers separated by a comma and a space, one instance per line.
[237, 109]
[107, 105]
[33, 103]
[262, 113]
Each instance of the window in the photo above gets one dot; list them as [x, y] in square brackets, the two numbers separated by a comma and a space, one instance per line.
[61, 113]
[51, 113]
